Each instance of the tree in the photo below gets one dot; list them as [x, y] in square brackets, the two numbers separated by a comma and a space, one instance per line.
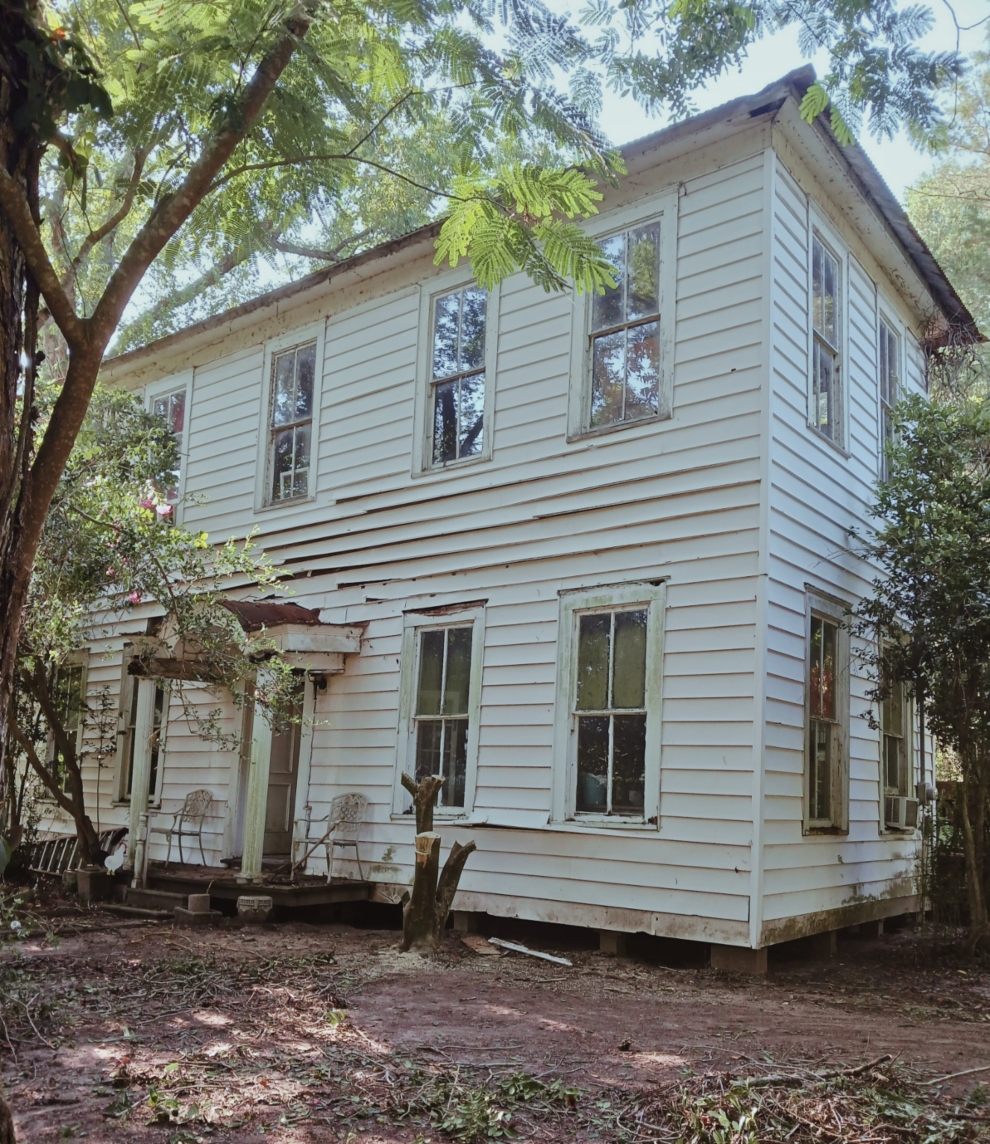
[108, 545]
[928, 620]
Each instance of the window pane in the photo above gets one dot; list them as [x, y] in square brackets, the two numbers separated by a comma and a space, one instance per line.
[458, 682]
[454, 762]
[283, 390]
[446, 326]
[592, 760]
[644, 273]
[429, 737]
[823, 415]
[819, 769]
[825, 284]
[643, 377]
[830, 635]
[892, 762]
[629, 660]
[290, 466]
[472, 415]
[893, 711]
[445, 422]
[156, 740]
[473, 329]
[628, 763]
[305, 373]
[608, 309]
[430, 674]
[593, 649]
[608, 378]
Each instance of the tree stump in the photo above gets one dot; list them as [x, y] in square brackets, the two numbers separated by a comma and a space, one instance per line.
[424, 916]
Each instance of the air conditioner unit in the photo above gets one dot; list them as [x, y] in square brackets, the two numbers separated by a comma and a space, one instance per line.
[900, 813]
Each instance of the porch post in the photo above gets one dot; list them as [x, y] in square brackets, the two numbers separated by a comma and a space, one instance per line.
[256, 798]
[144, 725]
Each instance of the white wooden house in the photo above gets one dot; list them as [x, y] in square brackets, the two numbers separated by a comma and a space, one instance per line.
[589, 557]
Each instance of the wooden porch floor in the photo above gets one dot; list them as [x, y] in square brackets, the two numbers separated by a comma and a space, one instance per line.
[221, 883]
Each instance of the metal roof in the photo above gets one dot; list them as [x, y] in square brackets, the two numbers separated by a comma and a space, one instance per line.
[253, 615]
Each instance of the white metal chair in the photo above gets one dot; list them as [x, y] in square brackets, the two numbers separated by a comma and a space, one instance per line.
[187, 822]
[339, 828]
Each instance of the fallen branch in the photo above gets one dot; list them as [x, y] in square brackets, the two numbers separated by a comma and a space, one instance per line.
[531, 952]
[790, 1078]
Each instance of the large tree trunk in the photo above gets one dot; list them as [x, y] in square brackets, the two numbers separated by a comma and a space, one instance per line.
[424, 917]
[979, 921]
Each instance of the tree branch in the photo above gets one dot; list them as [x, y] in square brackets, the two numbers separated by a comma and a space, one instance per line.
[118, 216]
[39, 767]
[15, 206]
[173, 210]
[320, 255]
[331, 157]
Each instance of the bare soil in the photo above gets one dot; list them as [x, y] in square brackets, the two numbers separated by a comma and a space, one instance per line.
[305, 1034]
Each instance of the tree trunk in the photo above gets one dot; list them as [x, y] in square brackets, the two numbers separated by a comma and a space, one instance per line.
[424, 917]
[6, 1123]
[979, 923]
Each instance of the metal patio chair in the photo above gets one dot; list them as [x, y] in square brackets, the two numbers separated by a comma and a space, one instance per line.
[187, 822]
[339, 828]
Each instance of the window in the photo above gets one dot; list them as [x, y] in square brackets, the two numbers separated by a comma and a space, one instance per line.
[890, 359]
[457, 375]
[826, 322]
[130, 739]
[625, 332]
[608, 704]
[291, 423]
[827, 715]
[69, 695]
[441, 702]
[895, 728]
[171, 407]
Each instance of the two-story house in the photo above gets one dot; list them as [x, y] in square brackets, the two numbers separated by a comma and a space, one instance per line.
[588, 558]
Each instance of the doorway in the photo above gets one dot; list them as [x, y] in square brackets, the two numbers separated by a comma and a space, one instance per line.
[282, 774]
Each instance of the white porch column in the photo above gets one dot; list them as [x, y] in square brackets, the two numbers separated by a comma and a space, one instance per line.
[256, 796]
[144, 727]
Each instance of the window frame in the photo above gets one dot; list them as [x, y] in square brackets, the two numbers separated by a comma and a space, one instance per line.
[573, 603]
[314, 332]
[75, 659]
[422, 453]
[414, 623]
[820, 230]
[660, 209]
[832, 610]
[886, 325]
[162, 388]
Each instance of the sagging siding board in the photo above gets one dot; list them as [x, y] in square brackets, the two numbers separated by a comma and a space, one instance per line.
[817, 495]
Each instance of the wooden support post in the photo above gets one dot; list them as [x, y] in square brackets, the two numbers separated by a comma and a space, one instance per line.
[612, 943]
[872, 929]
[737, 959]
[256, 799]
[824, 945]
[464, 921]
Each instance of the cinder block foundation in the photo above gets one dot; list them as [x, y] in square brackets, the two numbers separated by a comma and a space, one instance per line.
[737, 959]
[464, 922]
[613, 943]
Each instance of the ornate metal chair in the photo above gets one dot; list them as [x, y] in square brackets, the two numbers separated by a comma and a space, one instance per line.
[187, 822]
[339, 828]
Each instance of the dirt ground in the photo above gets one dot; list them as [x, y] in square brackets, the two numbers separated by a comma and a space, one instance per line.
[304, 1034]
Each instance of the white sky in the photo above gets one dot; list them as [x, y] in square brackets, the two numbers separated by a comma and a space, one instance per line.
[897, 160]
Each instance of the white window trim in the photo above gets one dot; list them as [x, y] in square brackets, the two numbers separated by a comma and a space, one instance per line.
[422, 452]
[78, 658]
[829, 608]
[819, 227]
[126, 682]
[413, 623]
[911, 734]
[662, 209]
[564, 786]
[886, 317]
[314, 332]
[173, 384]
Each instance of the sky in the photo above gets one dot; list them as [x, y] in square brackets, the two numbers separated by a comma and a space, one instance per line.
[898, 161]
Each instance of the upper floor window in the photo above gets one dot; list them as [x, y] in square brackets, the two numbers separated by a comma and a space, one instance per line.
[457, 375]
[889, 362]
[625, 332]
[291, 423]
[827, 728]
[826, 404]
[171, 407]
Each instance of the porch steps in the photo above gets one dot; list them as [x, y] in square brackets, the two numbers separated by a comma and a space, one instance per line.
[137, 912]
[154, 899]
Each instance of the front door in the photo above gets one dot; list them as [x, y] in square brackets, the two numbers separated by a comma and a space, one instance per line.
[282, 788]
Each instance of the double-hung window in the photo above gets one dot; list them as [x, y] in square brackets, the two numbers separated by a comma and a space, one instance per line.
[171, 408]
[290, 424]
[438, 733]
[625, 331]
[457, 375]
[130, 743]
[895, 725]
[827, 715]
[889, 354]
[826, 388]
[69, 696]
[608, 704]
